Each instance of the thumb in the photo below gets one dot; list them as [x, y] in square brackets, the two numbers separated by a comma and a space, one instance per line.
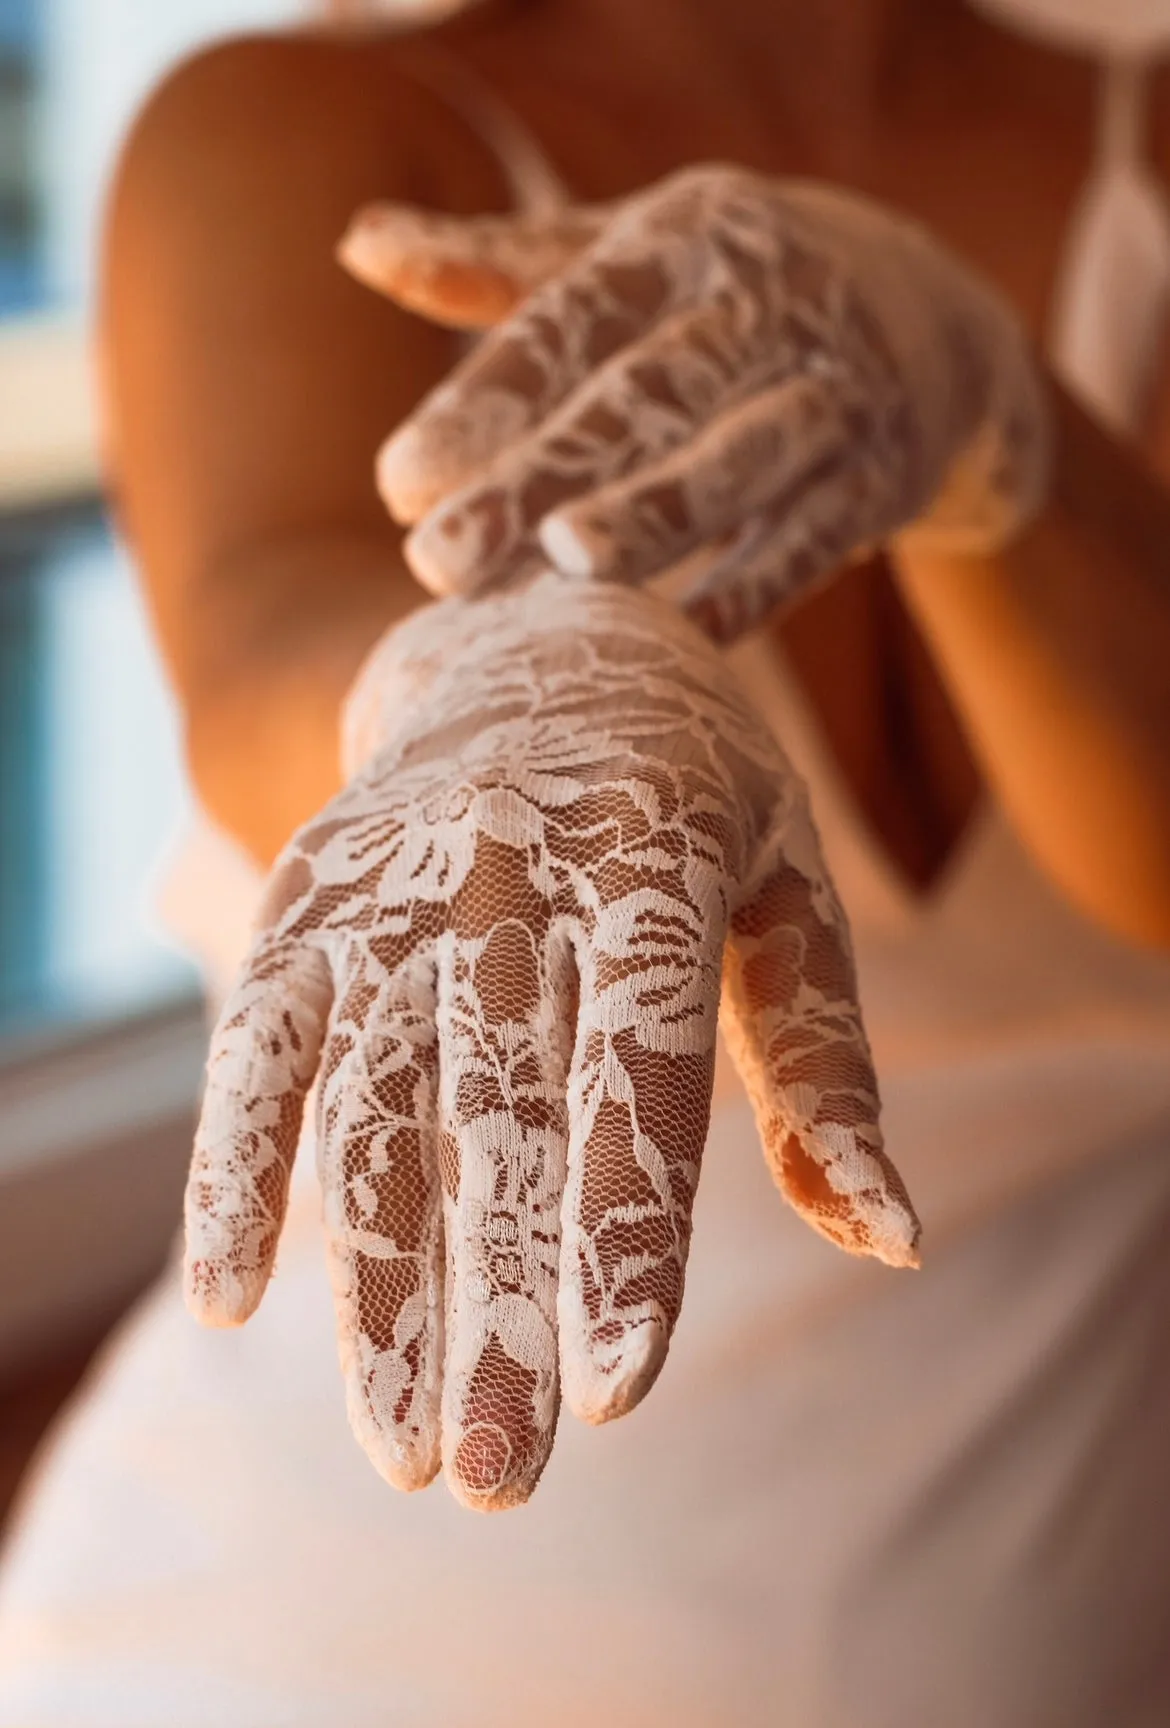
[466, 271]
[792, 1022]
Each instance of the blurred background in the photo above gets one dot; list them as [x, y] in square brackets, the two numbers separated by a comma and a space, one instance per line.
[101, 1031]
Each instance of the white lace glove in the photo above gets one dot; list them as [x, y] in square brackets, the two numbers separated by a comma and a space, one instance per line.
[500, 950]
[780, 373]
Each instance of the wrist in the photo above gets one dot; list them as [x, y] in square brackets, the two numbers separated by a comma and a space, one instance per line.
[1002, 480]
[417, 674]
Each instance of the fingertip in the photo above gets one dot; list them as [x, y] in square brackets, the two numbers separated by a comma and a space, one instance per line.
[893, 1225]
[849, 1192]
[485, 1473]
[401, 1444]
[376, 239]
[898, 1246]
[567, 547]
[228, 1252]
[405, 1467]
[445, 552]
[505, 1499]
[399, 474]
[601, 1386]
[217, 1298]
[354, 254]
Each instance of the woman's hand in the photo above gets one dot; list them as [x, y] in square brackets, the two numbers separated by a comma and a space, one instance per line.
[500, 952]
[774, 374]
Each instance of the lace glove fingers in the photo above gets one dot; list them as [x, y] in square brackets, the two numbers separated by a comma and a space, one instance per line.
[793, 1025]
[507, 1000]
[639, 1104]
[612, 294]
[626, 417]
[264, 1054]
[465, 272]
[752, 463]
[836, 512]
[932, 366]
[554, 1059]
[378, 1161]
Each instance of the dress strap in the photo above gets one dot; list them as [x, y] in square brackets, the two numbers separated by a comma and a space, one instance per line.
[1113, 293]
[537, 188]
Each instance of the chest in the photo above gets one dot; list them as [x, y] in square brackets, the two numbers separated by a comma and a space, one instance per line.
[992, 161]
[990, 155]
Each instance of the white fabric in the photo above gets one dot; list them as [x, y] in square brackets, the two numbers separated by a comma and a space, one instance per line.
[940, 1481]
[947, 1499]
[534, 182]
[1117, 254]
[1117, 250]
[1106, 27]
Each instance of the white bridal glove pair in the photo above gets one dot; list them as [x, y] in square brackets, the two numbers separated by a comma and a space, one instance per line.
[568, 841]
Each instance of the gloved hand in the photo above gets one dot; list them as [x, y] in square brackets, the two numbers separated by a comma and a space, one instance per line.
[499, 951]
[777, 372]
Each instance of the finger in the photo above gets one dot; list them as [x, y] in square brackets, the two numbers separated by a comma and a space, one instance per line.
[745, 460]
[639, 1103]
[644, 402]
[264, 1054]
[609, 297]
[837, 513]
[505, 1015]
[378, 1152]
[467, 272]
[793, 1024]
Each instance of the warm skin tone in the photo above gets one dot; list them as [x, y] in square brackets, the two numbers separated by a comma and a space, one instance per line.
[243, 451]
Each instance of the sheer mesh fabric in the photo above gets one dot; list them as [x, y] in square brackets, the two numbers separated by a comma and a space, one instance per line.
[501, 950]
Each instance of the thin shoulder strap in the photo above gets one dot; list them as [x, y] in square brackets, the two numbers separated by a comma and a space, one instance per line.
[1113, 294]
[1123, 113]
[537, 187]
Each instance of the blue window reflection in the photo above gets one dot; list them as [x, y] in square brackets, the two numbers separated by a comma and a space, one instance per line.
[92, 792]
[20, 272]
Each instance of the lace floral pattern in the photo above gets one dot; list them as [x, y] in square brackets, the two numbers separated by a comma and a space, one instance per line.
[501, 949]
[775, 375]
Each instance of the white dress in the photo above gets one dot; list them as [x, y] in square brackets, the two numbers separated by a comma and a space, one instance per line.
[856, 1498]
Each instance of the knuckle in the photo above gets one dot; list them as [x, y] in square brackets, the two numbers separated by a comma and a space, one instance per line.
[289, 884]
[708, 181]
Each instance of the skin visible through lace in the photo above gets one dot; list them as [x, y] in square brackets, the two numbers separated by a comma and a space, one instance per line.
[774, 374]
[500, 951]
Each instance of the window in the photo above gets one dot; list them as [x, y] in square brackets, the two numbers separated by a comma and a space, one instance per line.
[91, 787]
[90, 781]
[101, 1036]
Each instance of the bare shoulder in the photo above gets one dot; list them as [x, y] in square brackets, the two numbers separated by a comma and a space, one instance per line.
[247, 379]
[254, 100]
